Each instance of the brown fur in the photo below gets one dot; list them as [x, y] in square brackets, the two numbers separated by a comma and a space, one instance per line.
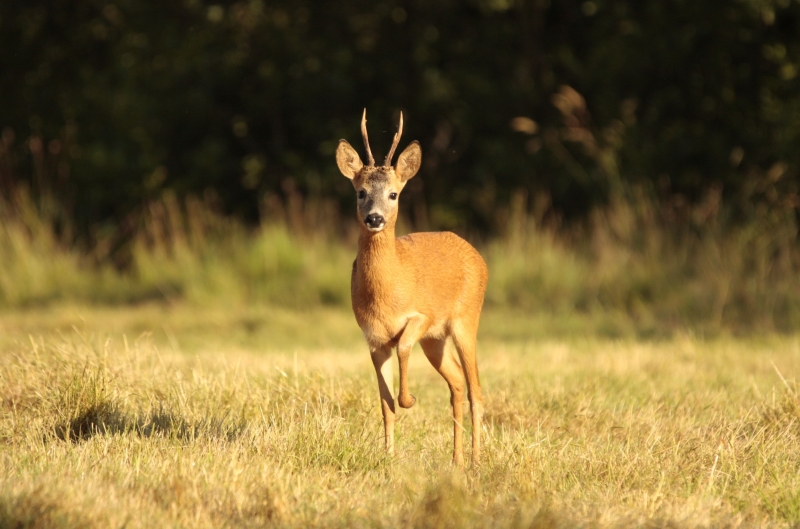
[424, 287]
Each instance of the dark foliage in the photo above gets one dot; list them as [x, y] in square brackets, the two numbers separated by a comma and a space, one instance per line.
[105, 104]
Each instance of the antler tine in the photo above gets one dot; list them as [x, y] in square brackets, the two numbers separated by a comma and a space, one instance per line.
[370, 159]
[396, 140]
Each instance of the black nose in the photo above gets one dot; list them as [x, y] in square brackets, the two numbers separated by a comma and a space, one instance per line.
[374, 220]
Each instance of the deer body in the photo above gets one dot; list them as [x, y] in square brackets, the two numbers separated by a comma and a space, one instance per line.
[423, 287]
[435, 275]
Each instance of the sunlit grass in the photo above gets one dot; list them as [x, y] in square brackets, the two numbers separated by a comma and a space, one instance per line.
[174, 416]
[191, 254]
[218, 379]
[623, 274]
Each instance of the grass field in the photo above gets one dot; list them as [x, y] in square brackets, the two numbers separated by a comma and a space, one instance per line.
[158, 415]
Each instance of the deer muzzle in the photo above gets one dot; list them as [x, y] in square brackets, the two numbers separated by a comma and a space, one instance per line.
[374, 222]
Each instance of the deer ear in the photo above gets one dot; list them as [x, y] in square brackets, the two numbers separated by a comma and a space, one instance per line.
[409, 161]
[347, 159]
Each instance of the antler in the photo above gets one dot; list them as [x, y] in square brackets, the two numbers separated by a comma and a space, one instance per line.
[370, 159]
[396, 140]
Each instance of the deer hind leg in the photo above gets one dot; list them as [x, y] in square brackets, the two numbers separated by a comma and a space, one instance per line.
[447, 365]
[415, 328]
[381, 359]
[465, 338]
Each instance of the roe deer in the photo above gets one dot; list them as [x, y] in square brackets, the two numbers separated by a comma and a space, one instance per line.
[423, 287]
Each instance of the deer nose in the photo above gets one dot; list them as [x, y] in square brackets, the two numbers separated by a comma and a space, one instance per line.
[374, 220]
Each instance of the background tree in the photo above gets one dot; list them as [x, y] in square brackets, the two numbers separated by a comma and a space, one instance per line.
[107, 104]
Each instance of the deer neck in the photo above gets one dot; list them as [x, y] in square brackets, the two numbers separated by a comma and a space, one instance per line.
[377, 261]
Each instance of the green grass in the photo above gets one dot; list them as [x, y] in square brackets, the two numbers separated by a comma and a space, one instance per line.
[626, 272]
[191, 254]
[183, 416]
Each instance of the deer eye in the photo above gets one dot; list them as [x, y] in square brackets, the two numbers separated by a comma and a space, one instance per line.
[362, 194]
[393, 196]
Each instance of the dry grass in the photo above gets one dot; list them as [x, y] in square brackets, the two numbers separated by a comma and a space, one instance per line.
[155, 417]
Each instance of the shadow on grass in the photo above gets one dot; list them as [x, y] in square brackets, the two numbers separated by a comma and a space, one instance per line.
[105, 418]
[38, 508]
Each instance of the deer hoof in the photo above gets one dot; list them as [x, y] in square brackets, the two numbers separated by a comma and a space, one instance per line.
[406, 402]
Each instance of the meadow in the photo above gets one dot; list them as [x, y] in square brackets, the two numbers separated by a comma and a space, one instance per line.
[221, 381]
[160, 416]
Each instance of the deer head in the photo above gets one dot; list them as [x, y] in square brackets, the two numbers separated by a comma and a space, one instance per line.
[378, 187]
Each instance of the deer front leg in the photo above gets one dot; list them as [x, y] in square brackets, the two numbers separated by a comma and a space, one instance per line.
[381, 357]
[415, 328]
